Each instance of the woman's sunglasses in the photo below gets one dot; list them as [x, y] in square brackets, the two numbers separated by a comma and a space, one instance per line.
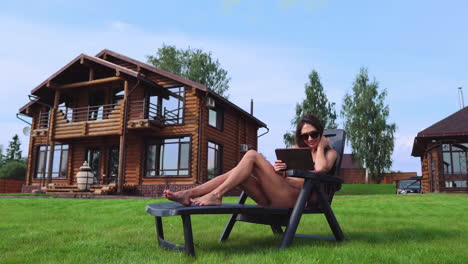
[313, 135]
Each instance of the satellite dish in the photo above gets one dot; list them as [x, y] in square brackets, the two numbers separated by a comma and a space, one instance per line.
[26, 130]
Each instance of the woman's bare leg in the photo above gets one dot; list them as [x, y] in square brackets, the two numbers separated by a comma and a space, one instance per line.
[275, 188]
[183, 197]
[253, 190]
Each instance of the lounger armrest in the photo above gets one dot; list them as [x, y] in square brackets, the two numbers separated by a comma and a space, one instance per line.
[316, 176]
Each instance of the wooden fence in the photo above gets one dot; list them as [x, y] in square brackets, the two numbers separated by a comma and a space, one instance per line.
[11, 186]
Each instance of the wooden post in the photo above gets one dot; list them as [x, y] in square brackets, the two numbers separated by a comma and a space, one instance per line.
[30, 171]
[123, 121]
[91, 74]
[50, 135]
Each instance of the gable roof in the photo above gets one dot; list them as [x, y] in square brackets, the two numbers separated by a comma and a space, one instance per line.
[169, 75]
[454, 125]
[168, 79]
[179, 79]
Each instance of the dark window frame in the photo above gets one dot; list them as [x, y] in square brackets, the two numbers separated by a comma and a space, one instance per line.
[218, 159]
[98, 170]
[60, 149]
[219, 118]
[450, 176]
[159, 142]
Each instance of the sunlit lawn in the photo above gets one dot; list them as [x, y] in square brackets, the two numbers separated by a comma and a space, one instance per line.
[429, 228]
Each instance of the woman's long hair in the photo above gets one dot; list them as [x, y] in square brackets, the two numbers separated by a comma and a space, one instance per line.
[311, 120]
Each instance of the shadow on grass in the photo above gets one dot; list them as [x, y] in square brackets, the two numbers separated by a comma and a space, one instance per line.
[407, 234]
[264, 244]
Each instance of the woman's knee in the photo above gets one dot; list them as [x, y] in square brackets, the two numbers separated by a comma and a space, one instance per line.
[251, 154]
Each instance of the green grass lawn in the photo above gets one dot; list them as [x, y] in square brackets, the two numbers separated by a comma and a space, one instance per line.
[429, 228]
[360, 189]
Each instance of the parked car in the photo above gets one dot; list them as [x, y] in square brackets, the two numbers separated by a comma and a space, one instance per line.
[409, 186]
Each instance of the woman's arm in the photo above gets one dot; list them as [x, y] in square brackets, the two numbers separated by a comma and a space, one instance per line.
[324, 160]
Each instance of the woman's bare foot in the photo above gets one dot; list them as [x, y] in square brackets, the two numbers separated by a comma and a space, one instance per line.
[182, 197]
[208, 199]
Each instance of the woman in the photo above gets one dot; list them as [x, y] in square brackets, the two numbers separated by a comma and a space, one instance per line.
[266, 184]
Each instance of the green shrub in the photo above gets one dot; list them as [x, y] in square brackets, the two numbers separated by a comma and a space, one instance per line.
[13, 170]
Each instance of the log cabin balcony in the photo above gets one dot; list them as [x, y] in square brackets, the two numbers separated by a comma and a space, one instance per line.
[103, 120]
[144, 114]
[99, 120]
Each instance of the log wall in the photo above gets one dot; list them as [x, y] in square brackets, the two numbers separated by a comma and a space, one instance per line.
[236, 130]
[110, 126]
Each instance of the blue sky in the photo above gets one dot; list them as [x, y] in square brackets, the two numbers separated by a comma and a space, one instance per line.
[417, 50]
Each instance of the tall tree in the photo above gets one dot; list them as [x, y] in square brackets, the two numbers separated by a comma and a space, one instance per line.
[13, 151]
[193, 64]
[315, 103]
[365, 121]
[2, 157]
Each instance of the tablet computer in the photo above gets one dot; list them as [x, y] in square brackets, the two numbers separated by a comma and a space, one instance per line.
[296, 158]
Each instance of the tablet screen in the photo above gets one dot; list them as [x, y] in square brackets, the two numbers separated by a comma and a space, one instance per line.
[296, 158]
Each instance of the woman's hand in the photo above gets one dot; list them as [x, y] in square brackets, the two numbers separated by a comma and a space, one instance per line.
[279, 166]
[324, 142]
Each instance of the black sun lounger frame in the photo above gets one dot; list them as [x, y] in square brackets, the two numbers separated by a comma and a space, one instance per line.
[325, 185]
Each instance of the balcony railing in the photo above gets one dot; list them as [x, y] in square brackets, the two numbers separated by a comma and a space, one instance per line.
[43, 120]
[152, 111]
[87, 113]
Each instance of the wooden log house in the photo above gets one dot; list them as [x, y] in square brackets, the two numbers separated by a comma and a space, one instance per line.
[443, 148]
[136, 125]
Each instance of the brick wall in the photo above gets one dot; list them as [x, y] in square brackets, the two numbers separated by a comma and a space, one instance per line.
[390, 178]
[11, 186]
[353, 175]
[359, 176]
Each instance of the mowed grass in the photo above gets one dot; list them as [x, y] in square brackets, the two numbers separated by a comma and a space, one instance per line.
[360, 189]
[429, 228]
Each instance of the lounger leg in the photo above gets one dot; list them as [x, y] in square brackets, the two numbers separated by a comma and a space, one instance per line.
[232, 220]
[159, 229]
[277, 230]
[188, 236]
[332, 222]
[187, 248]
[228, 228]
[296, 214]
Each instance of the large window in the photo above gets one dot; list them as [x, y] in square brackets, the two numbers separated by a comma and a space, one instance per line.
[455, 160]
[169, 111]
[59, 163]
[168, 157]
[215, 118]
[215, 157]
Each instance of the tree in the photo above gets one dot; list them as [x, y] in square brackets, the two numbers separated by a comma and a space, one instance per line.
[13, 151]
[193, 64]
[365, 121]
[13, 169]
[315, 103]
[2, 157]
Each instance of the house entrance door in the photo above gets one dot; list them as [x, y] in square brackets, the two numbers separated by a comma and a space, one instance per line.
[112, 165]
[93, 157]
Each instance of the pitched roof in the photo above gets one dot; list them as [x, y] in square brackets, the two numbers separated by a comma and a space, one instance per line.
[152, 69]
[178, 79]
[90, 58]
[453, 125]
[173, 78]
